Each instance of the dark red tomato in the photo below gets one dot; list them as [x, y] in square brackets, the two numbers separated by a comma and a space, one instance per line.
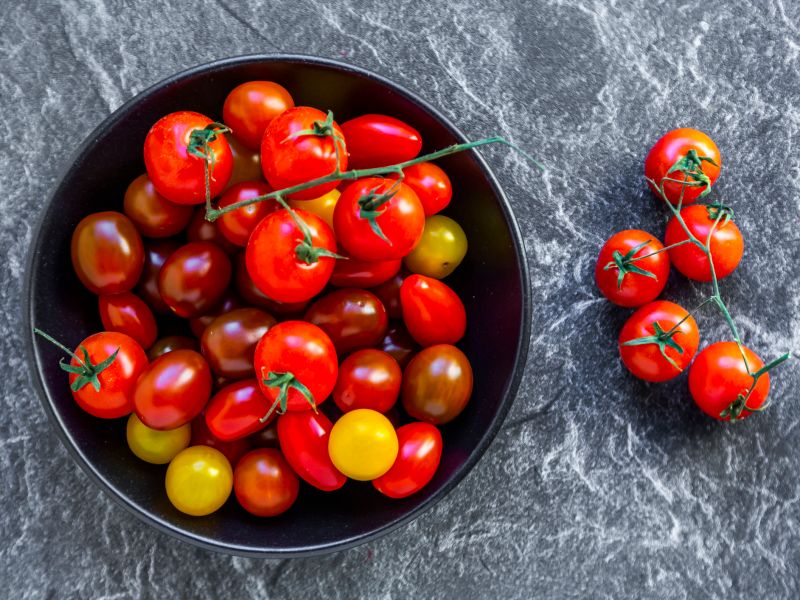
[236, 411]
[379, 141]
[246, 163]
[352, 318]
[399, 344]
[355, 273]
[302, 353]
[202, 230]
[288, 161]
[673, 146]
[230, 301]
[156, 253]
[636, 288]
[170, 343]
[647, 361]
[154, 215]
[267, 437]
[416, 462]
[194, 278]
[127, 313]
[237, 226]
[107, 253]
[264, 483]
[274, 259]
[437, 384]
[727, 245]
[719, 376]
[431, 184]
[389, 293]
[400, 219]
[252, 295]
[178, 175]
[433, 313]
[251, 106]
[202, 436]
[229, 342]
[303, 437]
[368, 379]
[173, 389]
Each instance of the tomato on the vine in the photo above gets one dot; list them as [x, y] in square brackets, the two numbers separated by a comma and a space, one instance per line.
[363, 444]
[368, 379]
[416, 463]
[156, 446]
[154, 215]
[632, 268]
[127, 313]
[236, 411]
[352, 318]
[432, 311]
[199, 480]
[264, 483]
[431, 184]
[303, 437]
[437, 384]
[229, 342]
[237, 225]
[251, 106]
[252, 295]
[674, 146]
[379, 140]
[440, 250]
[194, 278]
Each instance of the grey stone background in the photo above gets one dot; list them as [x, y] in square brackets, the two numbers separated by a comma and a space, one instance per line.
[598, 486]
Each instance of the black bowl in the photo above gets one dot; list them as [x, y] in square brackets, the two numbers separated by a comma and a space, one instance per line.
[492, 281]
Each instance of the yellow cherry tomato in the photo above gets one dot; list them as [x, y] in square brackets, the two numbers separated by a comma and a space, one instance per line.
[363, 444]
[199, 480]
[441, 249]
[153, 445]
[322, 206]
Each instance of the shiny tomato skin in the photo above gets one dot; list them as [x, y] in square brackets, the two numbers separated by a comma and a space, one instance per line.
[288, 161]
[636, 289]
[156, 253]
[229, 342]
[389, 294]
[176, 174]
[251, 106]
[199, 480]
[440, 250]
[154, 215]
[355, 273]
[646, 361]
[172, 342]
[202, 436]
[352, 318]
[194, 278]
[236, 410]
[431, 184]
[437, 384]
[173, 389]
[432, 311]
[727, 245]
[368, 379]
[107, 253]
[673, 146]
[303, 437]
[246, 163]
[264, 483]
[416, 463]
[379, 140]
[230, 301]
[237, 226]
[127, 313]
[202, 230]
[399, 344]
[252, 295]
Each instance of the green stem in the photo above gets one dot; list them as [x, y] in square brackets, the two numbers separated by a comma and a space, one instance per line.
[664, 249]
[58, 344]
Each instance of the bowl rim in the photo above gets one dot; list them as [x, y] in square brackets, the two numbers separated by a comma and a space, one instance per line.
[146, 516]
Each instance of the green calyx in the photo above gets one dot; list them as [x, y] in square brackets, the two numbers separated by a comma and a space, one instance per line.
[718, 211]
[284, 382]
[306, 251]
[691, 166]
[86, 371]
[624, 264]
[200, 139]
[369, 205]
[662, 339]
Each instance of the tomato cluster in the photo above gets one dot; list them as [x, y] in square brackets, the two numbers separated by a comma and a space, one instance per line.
[324, 289]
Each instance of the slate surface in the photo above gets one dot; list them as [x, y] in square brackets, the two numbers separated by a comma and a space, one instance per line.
[598, 486]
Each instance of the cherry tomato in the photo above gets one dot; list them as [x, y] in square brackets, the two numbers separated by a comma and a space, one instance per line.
[274, 261]
[636, 288]
[399, 344]
[267, 437]
[363, 444]
[440, 250]
[433, 313]
[288, 159]
[229, 342]
[194, 278]
[251, 106]
[647, 361]
[437, 384]
[176, 174]
[156, 253]
[128, 314]
[252, 295]
[719, 376]
[727, 245]
[170, 343]
[199, 480]
[237, 226]
[368, 379]
[323, 206]
[673, 146]
[389, 294]
[400, 219]
[417, 460]
[107, 253]
[246, 163]
[302, 353]
[202, 230]
[236, 411]
[154, 215]
[230, 301]
[173, 389]
[352, 318]
[357, 273]
[155, 446]
[431, 184]
[303, 438]
[378, 141]
[202, 436]
[264, 483]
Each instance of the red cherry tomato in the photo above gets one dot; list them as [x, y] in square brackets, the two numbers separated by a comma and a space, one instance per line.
[399, 344]
[352, 318]
[154, 215]
[431, 184]
[237, 226]
[156, 253]
[416, 463]
[636, 288]
[673, 146]
[264, 483]
[229, 342]
[378, 141]
[274, 261]
[289, 159]
[401, 220]
[727, 245]
[202, 230]
[303, 437]
[251, 106]
[437, 384]
[236, 411]
[170, 343]
[178, 175]
[202, 436]
[368, 379]
[252, 295]
[389, 294]
[647, 361]
[194, 278]
[107, 253]
[173, 389]
[433, 313]
[355, 273]
[230, 301]
[127, 313]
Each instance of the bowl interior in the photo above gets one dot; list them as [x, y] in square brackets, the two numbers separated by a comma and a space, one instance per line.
[491, 281]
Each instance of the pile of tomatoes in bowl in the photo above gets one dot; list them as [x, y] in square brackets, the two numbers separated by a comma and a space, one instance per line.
[305, 337]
